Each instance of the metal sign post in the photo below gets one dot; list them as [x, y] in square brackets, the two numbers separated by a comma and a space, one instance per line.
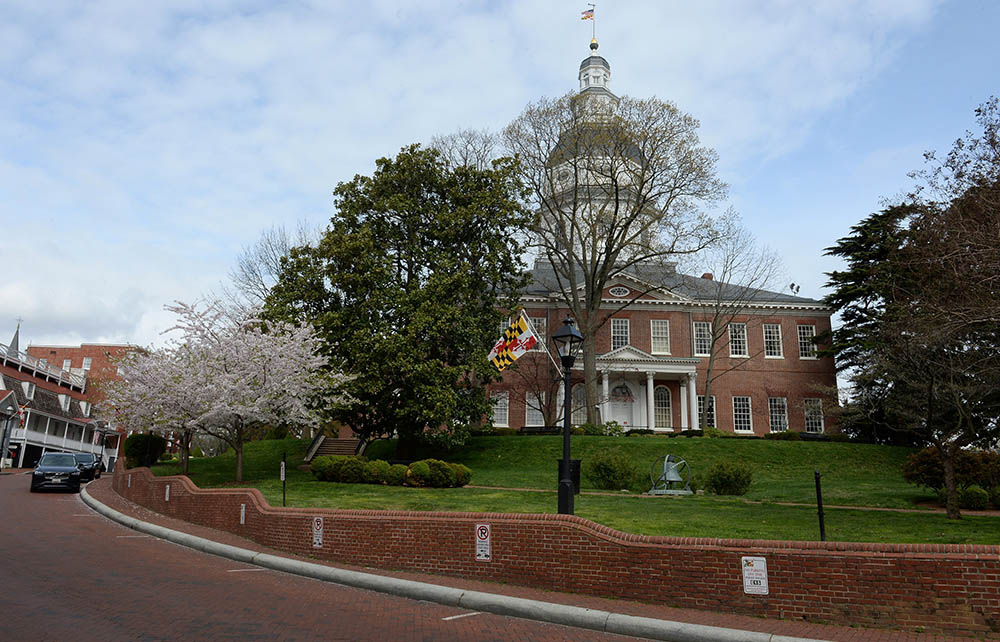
[283, 478]
[819, 505]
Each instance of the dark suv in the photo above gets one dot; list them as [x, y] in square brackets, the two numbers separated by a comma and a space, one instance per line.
[56, 470]
[90, 468]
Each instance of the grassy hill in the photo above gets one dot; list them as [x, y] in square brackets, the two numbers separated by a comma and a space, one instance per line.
[856, 475]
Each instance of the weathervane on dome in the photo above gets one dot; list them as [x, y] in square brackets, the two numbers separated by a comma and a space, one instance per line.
[589, 15]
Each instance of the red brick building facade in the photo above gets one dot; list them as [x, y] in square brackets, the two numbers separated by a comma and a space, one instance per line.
[652, 360]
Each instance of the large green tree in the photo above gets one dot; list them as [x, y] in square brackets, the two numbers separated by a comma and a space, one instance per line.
[920, 319]
[406, 288]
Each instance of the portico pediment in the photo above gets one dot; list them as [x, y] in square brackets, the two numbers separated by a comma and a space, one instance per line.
[631, 358]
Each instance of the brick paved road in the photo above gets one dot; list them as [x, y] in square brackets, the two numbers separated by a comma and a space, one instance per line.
[68, 573]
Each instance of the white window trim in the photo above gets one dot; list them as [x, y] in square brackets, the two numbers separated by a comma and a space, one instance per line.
[29, 390]
[540, 331]
[798, 337]
[528, 407]
[669, 426]
[749, 407]
[746, 346]
[694, 334]
[822, 416]
[497, 422]
[87, 362]
[628, 332]
[770, 414]
[781, 345]
[652, 348]
[714, 409]
[67, 364]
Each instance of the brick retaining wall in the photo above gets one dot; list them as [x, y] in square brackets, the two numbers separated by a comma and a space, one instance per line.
[941, 588]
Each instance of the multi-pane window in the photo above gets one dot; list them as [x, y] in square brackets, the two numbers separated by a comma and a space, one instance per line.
[814, 414]
[738, 340]
[807, 349]
[66, 363]
[501, 406]
[742, 415]
[661, 405]
[43, 362]
[579, 414]
[659, 332]
[538, 323]
[710, 414]
[702, 338]
[29, 390]
[778, 411]
[533, 404]
[619, 333]
[86, 363]
[772, 340]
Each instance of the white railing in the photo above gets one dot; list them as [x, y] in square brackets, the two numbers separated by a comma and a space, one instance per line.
[36, 364]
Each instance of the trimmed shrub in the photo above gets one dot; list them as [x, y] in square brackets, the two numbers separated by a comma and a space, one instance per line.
[839, 438]
[197, 452]
[639, 431]
[787, 435]
[728, 478]
[418, 474]
[612, 429]
[577, 430]
[396, 475]
[611, 470]
[353, 471]
[973, 498]
[320, 467]
[378, 471]
[589, 429]
[506, 432]
[442, 475]
[712, 432]
[336, 464]
[143, 449]
[995, 497]
[463, 474]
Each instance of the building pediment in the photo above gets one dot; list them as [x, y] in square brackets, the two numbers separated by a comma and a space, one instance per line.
[629, 356]
[626, 287]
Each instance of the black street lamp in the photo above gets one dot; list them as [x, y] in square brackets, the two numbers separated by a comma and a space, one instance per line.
[568, 341]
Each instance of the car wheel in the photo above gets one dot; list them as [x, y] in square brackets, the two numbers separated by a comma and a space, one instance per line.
[34, 490]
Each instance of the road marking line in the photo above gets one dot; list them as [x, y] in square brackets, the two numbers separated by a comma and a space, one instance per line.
[130, 536]
[455, 617]
[245, 570]
[84, 514]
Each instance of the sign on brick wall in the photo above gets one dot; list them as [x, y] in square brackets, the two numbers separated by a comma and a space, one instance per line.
[754, 575]
[484, 545]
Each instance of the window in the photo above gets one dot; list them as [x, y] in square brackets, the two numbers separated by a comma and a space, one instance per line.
[738, 340]
[500, 408]
[85, 407]
[64, 402]
[807, 349]
[579, 414]
[533, 404]
[742, 415]
[659, 331]
[814, 414]
[772, 341]
[86, 363]
[661, 405]
[710, 414]
[29, 390]
[702, 338]
[539, 324]
[67, 363]
[44, 363]
[777, 408]
[619, 333]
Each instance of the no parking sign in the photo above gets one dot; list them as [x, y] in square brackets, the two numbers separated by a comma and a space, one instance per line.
[317, 532]
[484, 548]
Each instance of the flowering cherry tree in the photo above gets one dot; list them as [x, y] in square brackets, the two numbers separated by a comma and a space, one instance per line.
[227, 374]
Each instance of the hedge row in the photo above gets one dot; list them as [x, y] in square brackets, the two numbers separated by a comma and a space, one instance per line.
[356, 469]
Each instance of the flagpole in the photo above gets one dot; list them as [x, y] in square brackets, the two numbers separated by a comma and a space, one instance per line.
[551, 358]
[593, 21]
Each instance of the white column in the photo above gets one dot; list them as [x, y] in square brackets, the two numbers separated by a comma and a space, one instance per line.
[684, 406]
[605, 394]
[693, 400]
[650, 409]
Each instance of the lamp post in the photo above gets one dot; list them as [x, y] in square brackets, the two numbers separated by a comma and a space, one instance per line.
[568, 341]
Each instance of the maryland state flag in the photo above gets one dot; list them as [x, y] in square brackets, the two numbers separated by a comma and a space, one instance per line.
[516, 340]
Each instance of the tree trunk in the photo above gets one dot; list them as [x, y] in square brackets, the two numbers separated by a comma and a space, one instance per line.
[185, 444]
[948, 457]
[238, 448]
[590, 377]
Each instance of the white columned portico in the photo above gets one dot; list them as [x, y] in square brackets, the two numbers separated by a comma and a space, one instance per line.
[605, 394]
[684, 405]
[692, 400]
[650, 410]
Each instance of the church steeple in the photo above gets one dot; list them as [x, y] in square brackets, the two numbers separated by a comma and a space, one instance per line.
[595, 72]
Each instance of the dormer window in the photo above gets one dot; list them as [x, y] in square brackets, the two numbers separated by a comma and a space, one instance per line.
[85, 407]
[64, 402]
[29, 390]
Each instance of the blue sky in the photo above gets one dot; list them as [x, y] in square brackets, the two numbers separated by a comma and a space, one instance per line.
[142, 144]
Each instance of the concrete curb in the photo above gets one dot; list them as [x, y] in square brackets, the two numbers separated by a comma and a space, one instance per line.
[574, 616]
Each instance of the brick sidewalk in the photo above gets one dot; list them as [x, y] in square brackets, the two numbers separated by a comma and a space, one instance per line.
[101, 491]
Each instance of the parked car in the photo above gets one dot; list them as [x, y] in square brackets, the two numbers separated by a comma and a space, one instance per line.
[91, 469]
[56, 470]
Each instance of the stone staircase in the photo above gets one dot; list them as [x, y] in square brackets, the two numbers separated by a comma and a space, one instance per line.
[328, 446]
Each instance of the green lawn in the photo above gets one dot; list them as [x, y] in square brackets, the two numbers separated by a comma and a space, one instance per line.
[853, 475]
